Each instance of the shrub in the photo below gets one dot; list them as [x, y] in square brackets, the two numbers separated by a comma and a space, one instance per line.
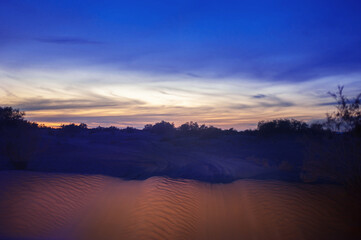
[189, 127]
[210, 132]
[73, 129]
[18, 137]
[129, 130]
[347, 117]
[281, 126]
[337, 157]
[20, 146]
[11, 117]
[162, 128]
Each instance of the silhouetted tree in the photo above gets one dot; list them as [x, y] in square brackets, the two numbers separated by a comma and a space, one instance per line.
[129, 130]
[73, 129]
[210, 132]
[148, 127]
[18, 137]
[231, 131]
[10, 117]
[161, 128]
[83, 126]
[347, 117]
[281, 126]
[72, 126]
[337, 157]
[189, 126]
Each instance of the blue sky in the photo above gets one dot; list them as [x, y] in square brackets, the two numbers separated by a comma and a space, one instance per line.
[225, 63]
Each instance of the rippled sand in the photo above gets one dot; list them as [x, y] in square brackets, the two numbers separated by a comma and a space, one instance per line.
[96, 207]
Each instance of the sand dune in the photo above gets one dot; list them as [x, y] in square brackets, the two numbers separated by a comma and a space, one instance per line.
[96, 207]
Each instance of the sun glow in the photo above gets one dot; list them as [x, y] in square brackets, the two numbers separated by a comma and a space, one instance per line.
[105, 97]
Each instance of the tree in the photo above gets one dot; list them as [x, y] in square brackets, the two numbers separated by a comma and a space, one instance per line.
[347, 117]
[281, 126]
[189, 126]
[73, 129]
[10, 116]
[18, 142]
[337, 158]
[161, 128]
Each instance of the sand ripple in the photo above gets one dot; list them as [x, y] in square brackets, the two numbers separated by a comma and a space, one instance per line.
[97, 207]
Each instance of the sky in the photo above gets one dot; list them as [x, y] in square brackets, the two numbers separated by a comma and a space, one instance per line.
[221, 63]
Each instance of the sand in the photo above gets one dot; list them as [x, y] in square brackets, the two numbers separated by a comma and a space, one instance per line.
[65, 206]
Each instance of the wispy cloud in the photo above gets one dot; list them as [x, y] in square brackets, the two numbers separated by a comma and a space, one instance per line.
[36, 104]
[135, 99]
[276, 104]
[259, 96]
[68, 40]
[239, 106]
[270, 101]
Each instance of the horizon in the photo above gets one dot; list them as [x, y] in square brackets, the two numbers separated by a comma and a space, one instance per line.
[59, 125]
[225, 64]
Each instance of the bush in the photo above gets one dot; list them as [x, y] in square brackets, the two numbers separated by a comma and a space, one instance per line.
[347, 117]
[130, 130]
[20, 146]
[11, 117]
[190, 127]
[211, 132]
[161, 128]
[335, 159]
[18, 137]
[73, 129]
[281, 126]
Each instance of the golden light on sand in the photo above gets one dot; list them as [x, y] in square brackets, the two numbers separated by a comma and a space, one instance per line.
[97, 207]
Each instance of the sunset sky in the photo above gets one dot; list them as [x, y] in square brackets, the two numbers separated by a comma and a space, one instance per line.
[222, 63]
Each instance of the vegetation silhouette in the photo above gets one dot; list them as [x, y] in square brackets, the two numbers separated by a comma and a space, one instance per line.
[281, 126]
[337, 156]
[162, 127]
[73, 129]
[347, 117]
[18, 137]
[11, 117]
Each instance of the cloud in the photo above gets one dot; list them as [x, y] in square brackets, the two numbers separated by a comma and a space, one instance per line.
[68, 40]
[272, 101]
[193, 75]
[334, 103]
[239, 106]
[258, 105]
[259, 96]
[135, 99]
[327, 104]
[338, 61]
[35, 104]
[276, 104]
